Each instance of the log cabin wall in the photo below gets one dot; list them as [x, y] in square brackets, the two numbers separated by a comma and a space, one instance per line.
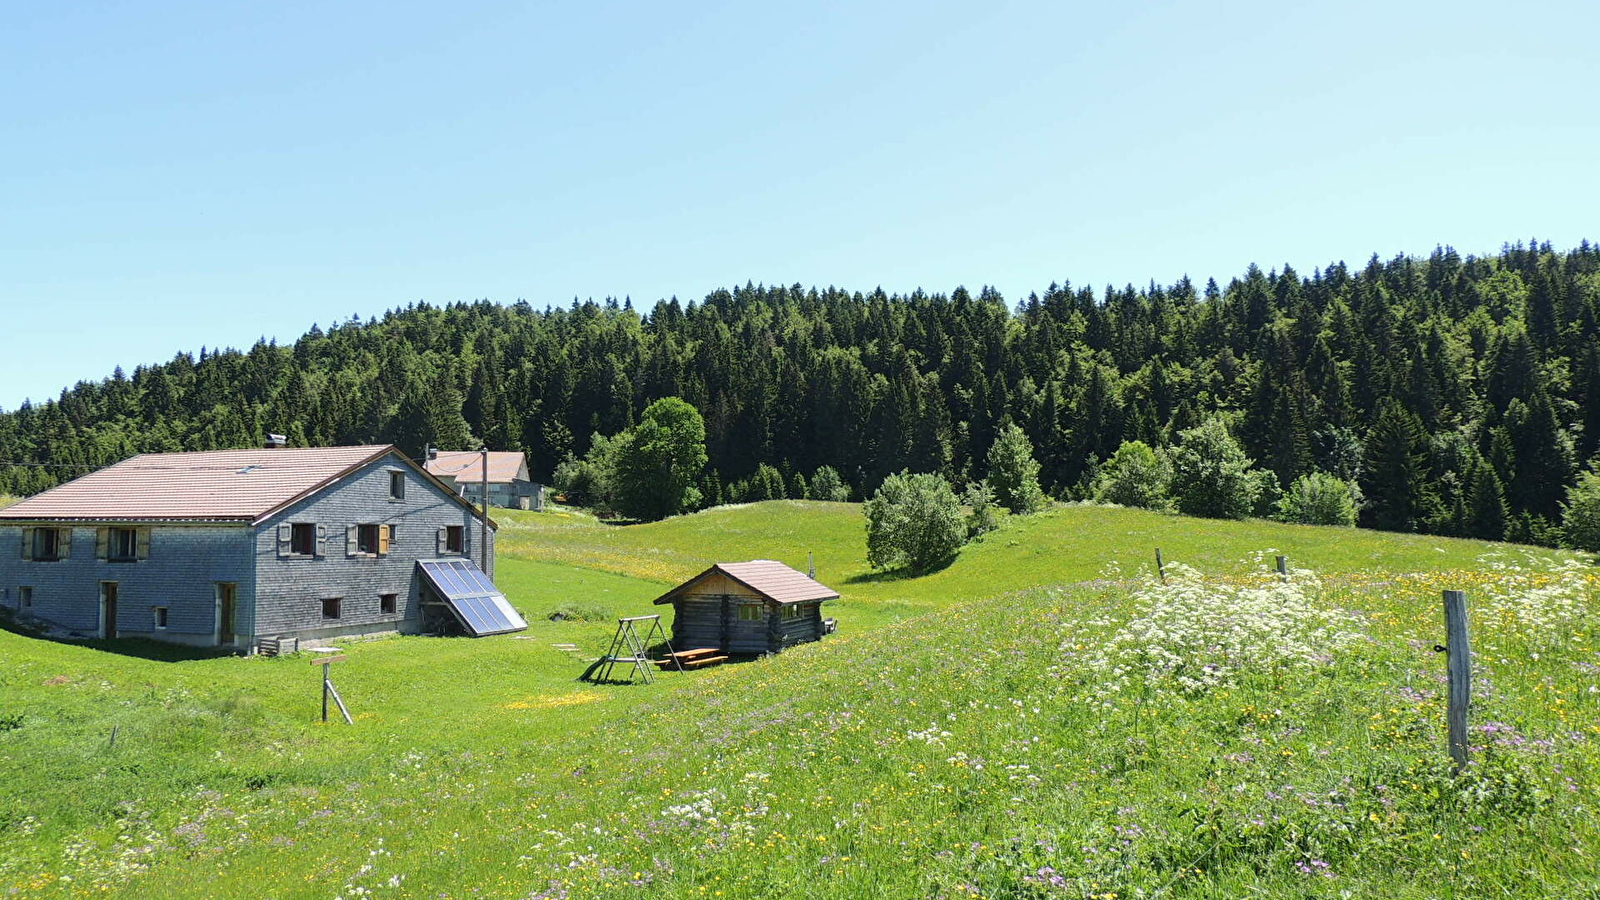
[708, 616]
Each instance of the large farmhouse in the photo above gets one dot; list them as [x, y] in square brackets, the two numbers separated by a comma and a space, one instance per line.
[509, 484]
[227, 547]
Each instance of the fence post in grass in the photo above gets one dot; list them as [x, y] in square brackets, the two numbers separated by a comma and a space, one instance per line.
[1161, 567]
[328, 690]
[1458, 649]
[1283, 568]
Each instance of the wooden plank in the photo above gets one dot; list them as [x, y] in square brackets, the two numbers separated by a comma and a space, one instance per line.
[325, 660]
[705, 661]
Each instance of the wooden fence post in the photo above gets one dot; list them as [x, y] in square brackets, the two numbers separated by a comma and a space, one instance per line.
[1458, 649]
[1161, 568]
[1283, 568]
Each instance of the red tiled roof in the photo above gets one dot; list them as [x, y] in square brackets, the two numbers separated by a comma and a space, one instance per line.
[769, 578]
[467, 465]
[210, 485]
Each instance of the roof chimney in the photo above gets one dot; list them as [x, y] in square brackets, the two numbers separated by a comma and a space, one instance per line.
[276, 441]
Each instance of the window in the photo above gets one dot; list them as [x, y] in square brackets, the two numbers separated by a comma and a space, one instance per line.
[330, 608]
[46, 544]
[397, 485]
[303, 539]
[24, 597]
[368, 540]
[161, 617]
[122, 544]
[455, 539]
[388, 603]
[791, 610]
[751, 612]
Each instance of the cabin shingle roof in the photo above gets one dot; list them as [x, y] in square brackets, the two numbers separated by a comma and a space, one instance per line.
[467, 465]
[223, 485]
[767, 577]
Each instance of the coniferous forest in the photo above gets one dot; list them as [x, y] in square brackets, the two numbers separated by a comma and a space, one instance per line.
[1461, 393]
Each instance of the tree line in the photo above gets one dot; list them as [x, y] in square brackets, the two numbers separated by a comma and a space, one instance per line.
[1460, 394]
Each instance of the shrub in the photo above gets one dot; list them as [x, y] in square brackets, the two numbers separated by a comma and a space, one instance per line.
[827, 484]
[1581, 513]
[1211, 476]
[1136, 475]
[580, 612]
[1318, 498]
[1014, 473]
[913, 521]
[981, 515]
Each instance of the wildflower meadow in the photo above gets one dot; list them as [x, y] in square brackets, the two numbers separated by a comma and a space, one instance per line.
[1094, 733]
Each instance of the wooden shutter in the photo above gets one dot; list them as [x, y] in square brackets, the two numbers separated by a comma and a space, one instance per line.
[443, 542]
[27, 543]
[322, 540]
[385, 534]
[352, 540]
[285, 539]
[63, 543]
[143, 537]
[102, 543]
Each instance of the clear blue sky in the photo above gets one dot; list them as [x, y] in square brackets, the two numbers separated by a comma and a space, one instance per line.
[182, 174]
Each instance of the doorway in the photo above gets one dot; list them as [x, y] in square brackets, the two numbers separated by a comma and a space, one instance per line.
[108, 609]
[227, 592]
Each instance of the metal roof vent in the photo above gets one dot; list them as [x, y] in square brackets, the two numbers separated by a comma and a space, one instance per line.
[276, 441]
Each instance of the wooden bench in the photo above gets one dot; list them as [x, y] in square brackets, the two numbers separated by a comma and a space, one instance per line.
[704, 661]
[692, 659]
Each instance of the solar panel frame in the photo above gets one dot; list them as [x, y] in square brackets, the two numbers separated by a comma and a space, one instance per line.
[480, 606]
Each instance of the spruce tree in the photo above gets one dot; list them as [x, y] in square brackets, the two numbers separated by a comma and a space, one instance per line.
[1395, 478]
[1486, 504]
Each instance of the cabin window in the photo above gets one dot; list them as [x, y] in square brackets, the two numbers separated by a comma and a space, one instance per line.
[46, 544]
[455, 539]
[397, 485]
[24, 597]
[369, 538]
[751, 612]
[122, 544]
[388, 603]
[791, 610]
[330, 608]
[303, 539]
[161, 617]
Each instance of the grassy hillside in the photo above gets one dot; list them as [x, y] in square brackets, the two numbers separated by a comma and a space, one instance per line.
[1223, 736]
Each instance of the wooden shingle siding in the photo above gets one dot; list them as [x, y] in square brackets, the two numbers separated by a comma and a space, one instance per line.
[290, 590]
[180, 566]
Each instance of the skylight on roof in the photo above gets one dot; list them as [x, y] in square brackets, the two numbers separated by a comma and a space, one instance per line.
[248, 469]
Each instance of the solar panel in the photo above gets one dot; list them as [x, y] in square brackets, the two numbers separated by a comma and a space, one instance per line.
[474, 599]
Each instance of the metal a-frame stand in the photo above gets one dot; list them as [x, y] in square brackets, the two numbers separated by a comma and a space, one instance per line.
[629, 648]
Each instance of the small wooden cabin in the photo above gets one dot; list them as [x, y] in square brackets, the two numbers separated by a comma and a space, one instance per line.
[747, 608]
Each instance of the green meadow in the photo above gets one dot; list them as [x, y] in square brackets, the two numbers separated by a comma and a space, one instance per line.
[1042, 718]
